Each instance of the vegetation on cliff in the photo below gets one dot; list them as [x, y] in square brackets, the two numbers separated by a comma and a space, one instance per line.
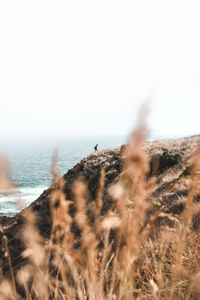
[122, 224]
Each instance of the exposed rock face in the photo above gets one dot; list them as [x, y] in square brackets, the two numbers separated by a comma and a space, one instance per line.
[166, 158]
[88, 169]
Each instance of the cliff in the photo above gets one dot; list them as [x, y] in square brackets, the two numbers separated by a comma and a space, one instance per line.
[169, 163]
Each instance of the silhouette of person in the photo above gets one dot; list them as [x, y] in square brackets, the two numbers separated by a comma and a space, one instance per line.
[96, 148]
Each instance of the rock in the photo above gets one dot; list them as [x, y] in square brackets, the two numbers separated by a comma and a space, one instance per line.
[165, 157]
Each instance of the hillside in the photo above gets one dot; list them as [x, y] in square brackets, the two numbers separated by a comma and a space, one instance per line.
[168, 160]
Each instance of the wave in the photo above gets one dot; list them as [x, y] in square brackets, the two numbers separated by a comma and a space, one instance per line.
[16, 199]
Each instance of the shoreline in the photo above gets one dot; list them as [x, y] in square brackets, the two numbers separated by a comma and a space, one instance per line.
[152, 148]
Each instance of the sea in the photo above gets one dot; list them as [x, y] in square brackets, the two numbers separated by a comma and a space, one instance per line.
[30, 161]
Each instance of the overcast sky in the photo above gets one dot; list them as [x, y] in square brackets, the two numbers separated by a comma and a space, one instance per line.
[84, 67]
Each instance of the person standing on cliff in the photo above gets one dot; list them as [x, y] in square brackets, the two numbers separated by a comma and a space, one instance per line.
[96, 148]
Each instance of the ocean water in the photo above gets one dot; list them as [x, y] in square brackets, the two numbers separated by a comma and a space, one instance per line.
[30, 164]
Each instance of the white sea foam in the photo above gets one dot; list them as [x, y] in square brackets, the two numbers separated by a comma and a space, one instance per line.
[15, 200]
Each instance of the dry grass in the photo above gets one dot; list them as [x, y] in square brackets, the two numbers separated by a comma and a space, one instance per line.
[118, 256]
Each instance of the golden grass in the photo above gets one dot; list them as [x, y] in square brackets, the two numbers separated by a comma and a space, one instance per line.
[120, 255]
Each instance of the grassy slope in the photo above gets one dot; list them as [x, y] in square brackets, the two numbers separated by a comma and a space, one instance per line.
[170, 173]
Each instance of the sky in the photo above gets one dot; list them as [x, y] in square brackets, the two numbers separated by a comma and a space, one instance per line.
[86, 67]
